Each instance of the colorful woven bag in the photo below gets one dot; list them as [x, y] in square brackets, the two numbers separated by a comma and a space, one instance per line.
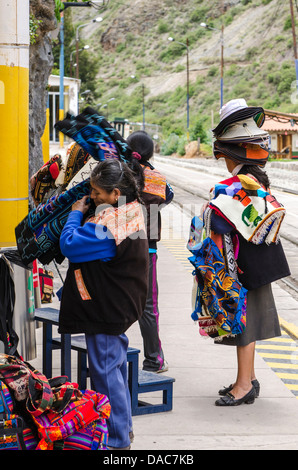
[14, 432]
[64, 417]
[80, 426]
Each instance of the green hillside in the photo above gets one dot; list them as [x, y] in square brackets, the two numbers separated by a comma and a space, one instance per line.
[133, 40]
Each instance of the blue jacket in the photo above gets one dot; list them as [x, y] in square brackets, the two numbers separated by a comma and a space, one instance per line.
[86, 243]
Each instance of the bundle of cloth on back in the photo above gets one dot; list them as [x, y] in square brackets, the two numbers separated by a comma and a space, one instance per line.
[59, 183]
[251, 209]
[95, 135]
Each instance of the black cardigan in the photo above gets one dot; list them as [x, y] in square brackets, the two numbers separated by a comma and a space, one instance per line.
[115, 291]
[260, 264]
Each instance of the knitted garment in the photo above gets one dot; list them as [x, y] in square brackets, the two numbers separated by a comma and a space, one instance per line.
[95, 139]
[77, 158]
[254, 212]
[122, 221]
[155, 182]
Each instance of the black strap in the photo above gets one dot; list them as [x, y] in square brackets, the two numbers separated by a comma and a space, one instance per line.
[7, 301]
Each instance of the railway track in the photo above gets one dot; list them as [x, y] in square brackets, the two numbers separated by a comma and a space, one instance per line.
[182, 199]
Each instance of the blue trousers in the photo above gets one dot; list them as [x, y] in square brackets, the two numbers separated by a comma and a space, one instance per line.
[107, 357]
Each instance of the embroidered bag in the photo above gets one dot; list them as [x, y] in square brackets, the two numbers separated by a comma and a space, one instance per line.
[46, 285]
[220, 299]
[14, 432]
[79, 426]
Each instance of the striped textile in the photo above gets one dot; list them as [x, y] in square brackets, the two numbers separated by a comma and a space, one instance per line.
[81, 424]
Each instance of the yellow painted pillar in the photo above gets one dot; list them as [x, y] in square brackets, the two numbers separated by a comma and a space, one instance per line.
[14, 116]
[45, 140]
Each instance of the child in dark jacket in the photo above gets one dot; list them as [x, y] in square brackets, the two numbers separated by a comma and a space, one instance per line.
[106, 284]
[156, 193]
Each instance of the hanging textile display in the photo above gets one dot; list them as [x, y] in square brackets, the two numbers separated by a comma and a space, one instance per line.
[95, 139]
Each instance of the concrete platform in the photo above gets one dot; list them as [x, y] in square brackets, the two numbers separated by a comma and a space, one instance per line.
[200, 369]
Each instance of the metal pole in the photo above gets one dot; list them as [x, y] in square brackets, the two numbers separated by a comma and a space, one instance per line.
[222, 66]
[294, 41]
[61, 71]
[14, 116]
[77, 54]
[187, 97]
[143, 106]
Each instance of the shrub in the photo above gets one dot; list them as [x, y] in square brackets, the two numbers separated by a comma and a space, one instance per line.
[198, 131]
[170, 145]
[162, 27]
[199, 14]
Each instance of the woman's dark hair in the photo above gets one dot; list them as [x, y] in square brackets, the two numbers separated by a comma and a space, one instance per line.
[111, 174]
[141, 142]
[258, 173]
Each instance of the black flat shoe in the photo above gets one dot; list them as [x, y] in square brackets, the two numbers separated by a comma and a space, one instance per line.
[230, 400]
[225, 390]
[257, 386]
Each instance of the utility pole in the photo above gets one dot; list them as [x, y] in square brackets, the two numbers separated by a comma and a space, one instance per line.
[222, 65]
[14, 116]
[187, 91]
[143, 95]
[293, 29]
[61, 61]
[294, 41]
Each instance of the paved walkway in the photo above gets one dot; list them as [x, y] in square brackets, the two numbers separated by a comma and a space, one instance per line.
[201, 367]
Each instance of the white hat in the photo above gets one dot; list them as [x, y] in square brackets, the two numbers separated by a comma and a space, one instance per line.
[231, 107]
[243, 131]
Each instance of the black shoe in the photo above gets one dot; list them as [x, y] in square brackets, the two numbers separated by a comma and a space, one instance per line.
[230, 400]
[226, 390]
[257, 386]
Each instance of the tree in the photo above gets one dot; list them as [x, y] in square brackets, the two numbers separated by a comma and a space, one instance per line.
[88, 66]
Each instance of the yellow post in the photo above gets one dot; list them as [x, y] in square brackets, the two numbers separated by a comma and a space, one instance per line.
[14, 116]
[45, 140]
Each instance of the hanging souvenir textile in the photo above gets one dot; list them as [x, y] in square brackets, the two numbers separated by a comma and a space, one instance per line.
[220, 300]
[44, 179]
[95, 135]
[254, 212]
[38, 234]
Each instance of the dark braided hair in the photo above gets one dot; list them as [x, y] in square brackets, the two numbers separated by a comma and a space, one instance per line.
[112, 174]
[141, 142]
[258, 173]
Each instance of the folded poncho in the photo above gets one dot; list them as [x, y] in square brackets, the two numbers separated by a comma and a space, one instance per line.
[254, 212]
